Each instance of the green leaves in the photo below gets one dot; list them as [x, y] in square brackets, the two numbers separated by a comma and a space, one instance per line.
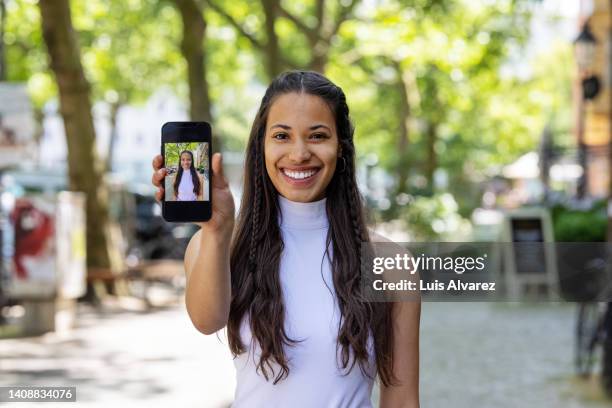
[199, 151]
[426, 73]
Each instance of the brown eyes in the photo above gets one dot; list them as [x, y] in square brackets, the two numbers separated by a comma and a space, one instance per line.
[315, 136]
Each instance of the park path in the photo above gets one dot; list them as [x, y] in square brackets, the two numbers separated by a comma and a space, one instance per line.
[126, 359]
[472, 355]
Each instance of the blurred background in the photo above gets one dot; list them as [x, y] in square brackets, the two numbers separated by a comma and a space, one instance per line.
[486, 120]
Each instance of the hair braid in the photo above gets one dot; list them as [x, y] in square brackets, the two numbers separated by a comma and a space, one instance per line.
[355, 210]
[256, 209]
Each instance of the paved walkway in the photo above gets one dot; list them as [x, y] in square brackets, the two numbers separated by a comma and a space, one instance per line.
[126, 360]
[472, 355]
[500, 355]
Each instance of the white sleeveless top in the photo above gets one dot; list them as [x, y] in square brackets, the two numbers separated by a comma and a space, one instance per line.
[185, 190]
[315, 378]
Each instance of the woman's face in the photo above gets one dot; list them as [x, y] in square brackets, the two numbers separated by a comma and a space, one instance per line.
[186, 161]
[300, 146]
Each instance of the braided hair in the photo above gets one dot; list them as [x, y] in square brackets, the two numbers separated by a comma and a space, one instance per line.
[255, 281]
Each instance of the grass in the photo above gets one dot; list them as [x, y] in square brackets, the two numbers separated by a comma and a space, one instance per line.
[589, 389]
[10, 331]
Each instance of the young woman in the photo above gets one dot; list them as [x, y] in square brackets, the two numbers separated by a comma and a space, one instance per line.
[188, 183]
[285, 280]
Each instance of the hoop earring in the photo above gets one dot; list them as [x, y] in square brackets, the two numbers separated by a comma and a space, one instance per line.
[343, 164]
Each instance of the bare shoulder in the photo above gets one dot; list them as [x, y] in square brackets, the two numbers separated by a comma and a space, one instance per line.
[389, 247]
[376, 237]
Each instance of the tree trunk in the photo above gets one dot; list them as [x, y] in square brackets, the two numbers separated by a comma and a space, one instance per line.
[403, 140]
[274, 65]
[84, 168]
[39, 119]
[319, 58]
[3, 74]
[319, 52]
[114, 110]
[606, 373]
[192, 48]
[432, 159]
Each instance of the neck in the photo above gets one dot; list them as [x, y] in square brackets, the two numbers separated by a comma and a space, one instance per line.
[296, 215]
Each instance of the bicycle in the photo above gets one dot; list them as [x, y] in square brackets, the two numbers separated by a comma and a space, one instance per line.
[592, 332]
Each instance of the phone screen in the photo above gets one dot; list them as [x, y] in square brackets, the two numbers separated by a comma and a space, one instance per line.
[187, 171]
[186, 148]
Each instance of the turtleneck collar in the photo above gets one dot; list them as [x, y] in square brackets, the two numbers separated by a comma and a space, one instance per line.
[297, 215]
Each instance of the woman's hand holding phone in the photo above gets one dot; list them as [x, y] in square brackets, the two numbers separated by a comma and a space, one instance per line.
[222, 219]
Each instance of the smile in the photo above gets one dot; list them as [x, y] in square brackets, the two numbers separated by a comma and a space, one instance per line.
[299, 175]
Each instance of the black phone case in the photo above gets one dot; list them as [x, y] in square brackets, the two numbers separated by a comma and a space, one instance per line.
[188, 211]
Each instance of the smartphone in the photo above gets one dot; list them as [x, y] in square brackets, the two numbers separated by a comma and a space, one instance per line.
[186, 148]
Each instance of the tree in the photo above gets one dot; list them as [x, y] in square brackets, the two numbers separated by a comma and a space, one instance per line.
[2, 31]
[84, 168]
[269, 47]
[434, 83]
[128, 51]
[192, 43]
[25, 56]
[328, 18]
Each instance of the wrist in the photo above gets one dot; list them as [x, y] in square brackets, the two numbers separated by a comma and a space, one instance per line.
[220, 235]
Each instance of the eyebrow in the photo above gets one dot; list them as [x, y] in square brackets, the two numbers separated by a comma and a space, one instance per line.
[287, 127]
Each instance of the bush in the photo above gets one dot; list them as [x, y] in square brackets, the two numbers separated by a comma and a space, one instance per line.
[571, 225]
[435, 218]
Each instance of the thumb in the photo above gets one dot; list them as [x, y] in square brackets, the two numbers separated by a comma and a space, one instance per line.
[218, 177]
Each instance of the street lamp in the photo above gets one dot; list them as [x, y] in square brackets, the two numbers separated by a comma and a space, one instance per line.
[585, 56]
[585, 48]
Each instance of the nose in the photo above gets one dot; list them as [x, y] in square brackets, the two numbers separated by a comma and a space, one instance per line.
[300, 152]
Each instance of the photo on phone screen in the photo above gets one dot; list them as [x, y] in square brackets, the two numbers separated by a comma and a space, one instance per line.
[188, 173]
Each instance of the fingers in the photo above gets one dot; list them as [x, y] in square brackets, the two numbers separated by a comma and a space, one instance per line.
[158, 162]
[218, 178]
[158, 176]
[160, 171]
[159, 194]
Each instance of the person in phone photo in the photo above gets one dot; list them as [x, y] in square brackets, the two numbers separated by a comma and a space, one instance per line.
[188, 183]
[283, 279]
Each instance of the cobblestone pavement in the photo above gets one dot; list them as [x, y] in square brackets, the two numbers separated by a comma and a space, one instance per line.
[472, 355]
[499, 355]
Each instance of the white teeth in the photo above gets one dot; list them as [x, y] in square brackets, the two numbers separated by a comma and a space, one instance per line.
[298, 175]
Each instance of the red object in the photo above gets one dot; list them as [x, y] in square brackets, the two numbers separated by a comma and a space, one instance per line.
[33, 228]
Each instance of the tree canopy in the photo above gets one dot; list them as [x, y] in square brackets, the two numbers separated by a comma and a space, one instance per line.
[424, 80]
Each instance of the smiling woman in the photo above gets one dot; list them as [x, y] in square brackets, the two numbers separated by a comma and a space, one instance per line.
[288, 286]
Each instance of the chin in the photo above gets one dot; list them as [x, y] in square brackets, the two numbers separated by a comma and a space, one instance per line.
[302, 196]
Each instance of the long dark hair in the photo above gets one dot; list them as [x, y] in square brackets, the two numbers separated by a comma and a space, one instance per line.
[194, 175]
[257, 246]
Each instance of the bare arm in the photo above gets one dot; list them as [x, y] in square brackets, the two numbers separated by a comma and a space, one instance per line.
[406, 329]
[207, 265]
[406, 322]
